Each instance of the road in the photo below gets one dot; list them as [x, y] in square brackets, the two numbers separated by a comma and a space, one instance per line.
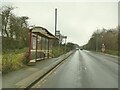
[84, 69]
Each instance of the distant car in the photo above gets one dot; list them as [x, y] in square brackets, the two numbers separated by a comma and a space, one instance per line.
[81, 49]
[77, 48]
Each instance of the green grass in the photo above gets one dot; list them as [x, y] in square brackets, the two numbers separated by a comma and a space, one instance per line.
[112, 52]
[16, 59]
[57, 51]
[0, 62]
[0, 59]
[13, 60]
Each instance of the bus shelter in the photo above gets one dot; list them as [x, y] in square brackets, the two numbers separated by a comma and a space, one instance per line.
[40, 44]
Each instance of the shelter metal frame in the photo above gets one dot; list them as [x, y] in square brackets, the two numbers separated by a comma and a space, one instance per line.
[36, 36]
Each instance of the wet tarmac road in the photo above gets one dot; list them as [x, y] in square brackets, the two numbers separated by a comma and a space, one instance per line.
[84, 69]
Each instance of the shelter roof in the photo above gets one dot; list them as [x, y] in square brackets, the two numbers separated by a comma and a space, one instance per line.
[42, 32]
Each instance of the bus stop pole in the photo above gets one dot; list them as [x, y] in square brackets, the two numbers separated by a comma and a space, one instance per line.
[41, 43]
[45, 48]
[36, 47]
[48, 47]
[30, 40]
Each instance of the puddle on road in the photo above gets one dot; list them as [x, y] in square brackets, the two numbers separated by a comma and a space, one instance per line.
[83, 68]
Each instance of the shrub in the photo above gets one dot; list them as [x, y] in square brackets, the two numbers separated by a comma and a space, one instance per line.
[13, 61]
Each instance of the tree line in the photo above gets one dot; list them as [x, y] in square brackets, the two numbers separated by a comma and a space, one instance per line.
[14, 29]
[108, 37]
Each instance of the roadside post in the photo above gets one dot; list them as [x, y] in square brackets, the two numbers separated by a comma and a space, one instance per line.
[65, 37]
[103, 48]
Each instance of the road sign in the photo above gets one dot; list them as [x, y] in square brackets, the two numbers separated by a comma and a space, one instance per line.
[103, 47]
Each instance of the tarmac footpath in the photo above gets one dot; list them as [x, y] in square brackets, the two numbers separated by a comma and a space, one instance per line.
[23, 78]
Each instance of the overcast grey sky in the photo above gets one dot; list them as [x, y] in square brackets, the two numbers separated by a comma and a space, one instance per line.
[76, 20]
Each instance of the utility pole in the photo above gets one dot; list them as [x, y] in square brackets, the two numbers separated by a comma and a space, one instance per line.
[97, 41]
[55, 20]
[65, 43]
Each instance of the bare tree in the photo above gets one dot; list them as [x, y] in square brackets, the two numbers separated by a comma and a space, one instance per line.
[6, 13]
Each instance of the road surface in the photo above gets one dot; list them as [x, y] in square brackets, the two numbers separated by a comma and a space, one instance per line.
[84, 69]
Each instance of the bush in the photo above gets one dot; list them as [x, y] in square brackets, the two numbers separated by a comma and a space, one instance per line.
[57, 51]
[13, 61]
[112, 52]
[12, 44]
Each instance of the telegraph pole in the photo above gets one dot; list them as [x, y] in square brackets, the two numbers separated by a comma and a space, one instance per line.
[65, 43]
[97, 41]
[55, 20]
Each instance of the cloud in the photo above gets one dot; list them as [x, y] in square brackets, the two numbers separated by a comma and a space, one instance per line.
[76, 20]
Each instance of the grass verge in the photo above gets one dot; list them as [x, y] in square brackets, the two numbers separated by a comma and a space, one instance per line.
[16, 59]
[13, 60]
[112, 52]
[57, 51]
[0, 59]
